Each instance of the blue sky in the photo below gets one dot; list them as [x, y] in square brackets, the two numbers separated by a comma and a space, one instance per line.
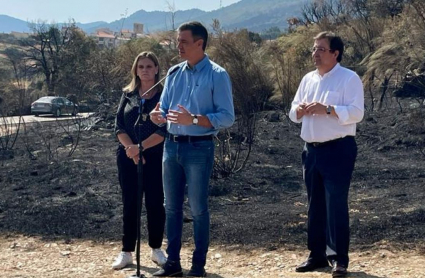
[85, 11]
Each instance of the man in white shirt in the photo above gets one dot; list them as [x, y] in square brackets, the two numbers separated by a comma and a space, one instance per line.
[329, 102]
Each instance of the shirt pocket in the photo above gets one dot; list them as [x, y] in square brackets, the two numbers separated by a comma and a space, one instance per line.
[201, 98]
[332, 97]
[203, 89]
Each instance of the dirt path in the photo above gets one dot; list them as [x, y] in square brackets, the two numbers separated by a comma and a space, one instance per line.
[33, 257]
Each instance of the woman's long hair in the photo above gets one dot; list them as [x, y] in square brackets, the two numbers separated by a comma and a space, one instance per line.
[135, 81]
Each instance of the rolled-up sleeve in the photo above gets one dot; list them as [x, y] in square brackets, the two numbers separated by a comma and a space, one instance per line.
[162, 130]
[353, 111]
[224, 114]
[297, 101]
[165, 96]
[119, 119]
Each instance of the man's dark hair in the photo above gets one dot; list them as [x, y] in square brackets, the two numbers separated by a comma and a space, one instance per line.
[198, 31]
[335, 42]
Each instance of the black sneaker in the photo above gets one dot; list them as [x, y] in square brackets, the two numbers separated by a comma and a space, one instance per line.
[170, 269]
[197, 271]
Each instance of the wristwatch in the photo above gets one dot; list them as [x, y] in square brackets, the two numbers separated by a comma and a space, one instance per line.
[195, 119]
[328, 109]
[141, 147]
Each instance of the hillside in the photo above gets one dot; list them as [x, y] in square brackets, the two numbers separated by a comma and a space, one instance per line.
[9, 24]
[153, 21]
[254, 15]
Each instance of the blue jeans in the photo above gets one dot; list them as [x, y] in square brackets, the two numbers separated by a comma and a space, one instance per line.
[188, 163]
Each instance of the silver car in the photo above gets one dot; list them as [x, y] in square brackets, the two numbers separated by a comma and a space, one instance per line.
[54, 105]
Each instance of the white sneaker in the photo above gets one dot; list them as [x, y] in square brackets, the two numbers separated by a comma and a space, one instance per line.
[158, 256]
[123, 259]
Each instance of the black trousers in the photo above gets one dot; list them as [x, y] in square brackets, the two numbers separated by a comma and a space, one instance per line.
[327, 174]
[154, 198]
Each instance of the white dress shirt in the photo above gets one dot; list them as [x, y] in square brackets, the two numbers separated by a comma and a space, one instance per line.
[341, 88]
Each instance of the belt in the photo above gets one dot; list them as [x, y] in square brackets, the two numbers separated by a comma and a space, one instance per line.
[186, 138]
[321, 144]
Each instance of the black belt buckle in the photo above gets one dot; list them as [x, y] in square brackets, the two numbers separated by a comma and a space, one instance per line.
[319, 144]
[188, 138]
[179, 138]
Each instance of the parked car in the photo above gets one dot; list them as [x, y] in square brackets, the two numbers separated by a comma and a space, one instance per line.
[54, 105]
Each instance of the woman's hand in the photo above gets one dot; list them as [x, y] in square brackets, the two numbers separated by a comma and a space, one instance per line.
[131, 151]
[136, 160]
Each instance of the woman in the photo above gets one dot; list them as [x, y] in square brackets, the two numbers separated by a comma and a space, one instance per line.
[145, 72]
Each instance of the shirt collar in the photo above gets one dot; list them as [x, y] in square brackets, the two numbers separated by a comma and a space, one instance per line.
[329, 73]
[132, 94]
[199, 66]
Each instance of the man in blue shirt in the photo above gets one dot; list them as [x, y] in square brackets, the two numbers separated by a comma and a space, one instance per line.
[196, 102]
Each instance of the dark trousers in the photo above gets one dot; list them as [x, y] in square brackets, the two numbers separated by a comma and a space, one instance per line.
[327, 174]
[154, 198]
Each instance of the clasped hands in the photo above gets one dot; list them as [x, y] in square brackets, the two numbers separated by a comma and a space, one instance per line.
[311, 109]
[181, 117]
[132, 152]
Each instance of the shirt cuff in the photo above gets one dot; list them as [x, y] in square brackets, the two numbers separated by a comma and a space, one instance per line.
[293, 116]
[160, 132]
[342, 113]
[120, 131]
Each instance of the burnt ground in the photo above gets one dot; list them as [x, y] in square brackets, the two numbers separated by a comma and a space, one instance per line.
[65, 199]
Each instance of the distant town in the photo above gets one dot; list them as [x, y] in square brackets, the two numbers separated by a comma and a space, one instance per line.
[104, 37]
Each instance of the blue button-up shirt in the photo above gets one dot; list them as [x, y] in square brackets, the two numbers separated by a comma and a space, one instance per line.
[204, 89]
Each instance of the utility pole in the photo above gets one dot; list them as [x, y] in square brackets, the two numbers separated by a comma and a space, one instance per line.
[221, 4]
[124, 16]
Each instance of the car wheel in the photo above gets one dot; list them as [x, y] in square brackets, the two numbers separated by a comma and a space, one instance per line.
[36, 114]
[58, 112]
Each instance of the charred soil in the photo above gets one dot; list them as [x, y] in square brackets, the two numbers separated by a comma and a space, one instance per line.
[61, 216]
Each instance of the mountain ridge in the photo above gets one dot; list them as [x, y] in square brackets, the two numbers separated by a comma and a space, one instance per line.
[253, 15]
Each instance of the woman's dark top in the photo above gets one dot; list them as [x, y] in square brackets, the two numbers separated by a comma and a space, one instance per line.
[128, 113]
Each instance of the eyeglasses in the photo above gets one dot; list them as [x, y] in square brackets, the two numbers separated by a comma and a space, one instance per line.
[319, 49]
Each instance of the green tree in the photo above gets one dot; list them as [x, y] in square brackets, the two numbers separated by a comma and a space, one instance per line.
[255, 37]
[271, 33]
[75, 75]
[45, 48]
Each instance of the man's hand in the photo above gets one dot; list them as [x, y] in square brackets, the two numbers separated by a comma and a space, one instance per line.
[182, 117]
[156, 115]
[315, 108]
[301, 112]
